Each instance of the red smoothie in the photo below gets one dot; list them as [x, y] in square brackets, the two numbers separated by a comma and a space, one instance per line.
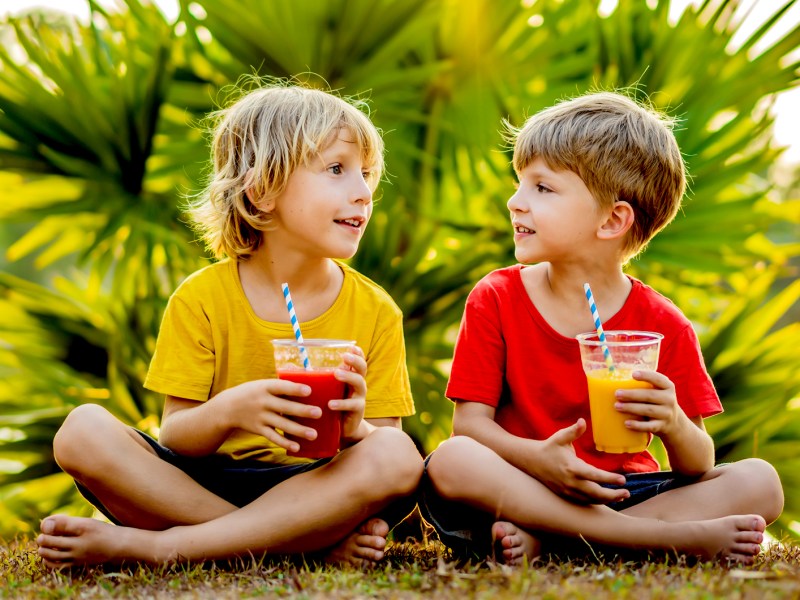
[324, 387]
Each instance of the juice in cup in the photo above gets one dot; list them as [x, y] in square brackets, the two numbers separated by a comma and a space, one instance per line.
[324, 387]
[630, 351]
[324, 356]
[608, 424]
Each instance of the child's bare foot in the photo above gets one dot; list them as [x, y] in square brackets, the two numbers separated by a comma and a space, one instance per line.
[734, 539]
[68, 541]
[515, 542]
[365, 544]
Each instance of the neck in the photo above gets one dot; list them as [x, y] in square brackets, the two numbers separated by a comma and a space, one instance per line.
[563, 281]
[303, 274]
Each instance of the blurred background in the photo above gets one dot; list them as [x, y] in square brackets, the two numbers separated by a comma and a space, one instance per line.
[101, 139]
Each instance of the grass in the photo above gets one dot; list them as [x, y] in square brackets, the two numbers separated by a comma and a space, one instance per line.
[411, 570]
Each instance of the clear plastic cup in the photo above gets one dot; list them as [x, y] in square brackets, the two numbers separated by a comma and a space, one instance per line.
[630, 351]
[324, 355]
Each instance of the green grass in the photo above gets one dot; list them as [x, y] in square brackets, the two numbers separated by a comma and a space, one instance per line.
[411, 570]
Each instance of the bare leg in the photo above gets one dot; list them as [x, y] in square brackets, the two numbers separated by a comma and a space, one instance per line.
[306, 513]
[121, 469]
[463, 470]
[744, 487]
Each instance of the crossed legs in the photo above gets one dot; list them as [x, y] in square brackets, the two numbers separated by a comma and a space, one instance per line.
[171, 517]
[719, 516]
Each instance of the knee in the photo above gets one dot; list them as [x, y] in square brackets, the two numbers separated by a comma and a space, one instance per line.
[762, 478]
[75, 442]
[452, 463]
[392, 457]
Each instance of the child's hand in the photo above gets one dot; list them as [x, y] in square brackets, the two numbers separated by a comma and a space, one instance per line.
[262, 406]
[560, 469]
[353, 407]
[656, 409]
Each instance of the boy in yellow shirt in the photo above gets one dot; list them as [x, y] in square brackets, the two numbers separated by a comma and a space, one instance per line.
[291, 192]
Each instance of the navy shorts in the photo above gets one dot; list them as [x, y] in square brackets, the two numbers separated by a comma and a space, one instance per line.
[467, 530]
[237, 481]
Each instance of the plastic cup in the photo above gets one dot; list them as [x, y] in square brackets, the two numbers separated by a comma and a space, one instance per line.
[324, 356]
[630, 351]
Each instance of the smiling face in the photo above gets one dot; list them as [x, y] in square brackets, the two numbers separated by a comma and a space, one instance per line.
[554, 215]
[326, 205]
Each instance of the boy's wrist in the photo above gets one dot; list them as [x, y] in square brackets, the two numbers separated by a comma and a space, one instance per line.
[363, 430]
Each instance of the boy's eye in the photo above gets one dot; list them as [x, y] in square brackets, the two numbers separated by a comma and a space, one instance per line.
[542, 189]
[336, 169]
[366, 174]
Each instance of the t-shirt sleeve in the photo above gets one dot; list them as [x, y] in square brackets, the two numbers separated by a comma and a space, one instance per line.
[183, 362]
[479, 359]
[681, 360]
[388, 384]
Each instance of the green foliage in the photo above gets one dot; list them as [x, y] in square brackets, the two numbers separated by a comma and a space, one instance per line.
[100, 140]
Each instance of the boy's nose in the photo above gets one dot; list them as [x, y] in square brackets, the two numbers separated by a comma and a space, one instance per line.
[361, 191]
[514, 204]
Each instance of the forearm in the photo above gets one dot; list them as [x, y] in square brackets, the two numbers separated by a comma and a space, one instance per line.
[194, 428]
[690, 449]
[367, 426]
[520, 452]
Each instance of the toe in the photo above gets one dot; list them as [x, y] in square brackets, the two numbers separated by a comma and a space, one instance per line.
[61, 525]
[375, 527]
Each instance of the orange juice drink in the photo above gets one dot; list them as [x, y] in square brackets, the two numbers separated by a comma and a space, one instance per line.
[608, 424]
[609, 364]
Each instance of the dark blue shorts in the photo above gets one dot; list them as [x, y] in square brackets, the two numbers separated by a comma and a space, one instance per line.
[237, 481]
[467, 530]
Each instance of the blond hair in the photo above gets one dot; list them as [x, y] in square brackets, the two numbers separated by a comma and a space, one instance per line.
[258, 142]
[620, 149]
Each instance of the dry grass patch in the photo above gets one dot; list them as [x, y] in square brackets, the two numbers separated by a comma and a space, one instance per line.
[412, 570]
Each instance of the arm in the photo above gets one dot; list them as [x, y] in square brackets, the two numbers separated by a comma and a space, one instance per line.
[689, 447]
[199, 428]
[386, 422]
[552, 461]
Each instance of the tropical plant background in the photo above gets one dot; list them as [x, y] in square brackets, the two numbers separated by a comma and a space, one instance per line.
[101, 137]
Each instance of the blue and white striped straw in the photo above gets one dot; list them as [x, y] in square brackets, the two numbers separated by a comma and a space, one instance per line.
[295, 325]
[598, 325]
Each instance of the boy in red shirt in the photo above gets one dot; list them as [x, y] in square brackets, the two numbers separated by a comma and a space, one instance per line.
[599, 176]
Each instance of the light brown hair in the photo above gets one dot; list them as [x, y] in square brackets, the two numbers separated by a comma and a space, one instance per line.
[621, 150]
[258, 142]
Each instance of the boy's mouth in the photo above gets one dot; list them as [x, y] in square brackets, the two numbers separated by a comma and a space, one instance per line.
[521, 229]
[356, 222]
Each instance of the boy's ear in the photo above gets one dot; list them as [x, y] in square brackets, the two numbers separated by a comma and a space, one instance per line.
[619, 221]
[263, 204]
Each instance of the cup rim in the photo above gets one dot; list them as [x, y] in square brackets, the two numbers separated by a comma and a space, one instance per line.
[313, 343]
[645, 337]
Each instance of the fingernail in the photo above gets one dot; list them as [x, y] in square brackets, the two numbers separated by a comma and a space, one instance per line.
[333, 404]
[47, 526]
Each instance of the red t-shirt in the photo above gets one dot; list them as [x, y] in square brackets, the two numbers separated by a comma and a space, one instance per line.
[508, 356]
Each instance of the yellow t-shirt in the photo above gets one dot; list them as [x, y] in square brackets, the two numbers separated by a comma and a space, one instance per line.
[211, 340]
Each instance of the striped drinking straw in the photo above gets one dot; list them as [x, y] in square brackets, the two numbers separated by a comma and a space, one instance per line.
[295, 325]
[598, 325]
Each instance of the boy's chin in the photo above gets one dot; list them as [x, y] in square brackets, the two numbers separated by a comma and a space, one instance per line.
[524, 258]
[345, 254]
